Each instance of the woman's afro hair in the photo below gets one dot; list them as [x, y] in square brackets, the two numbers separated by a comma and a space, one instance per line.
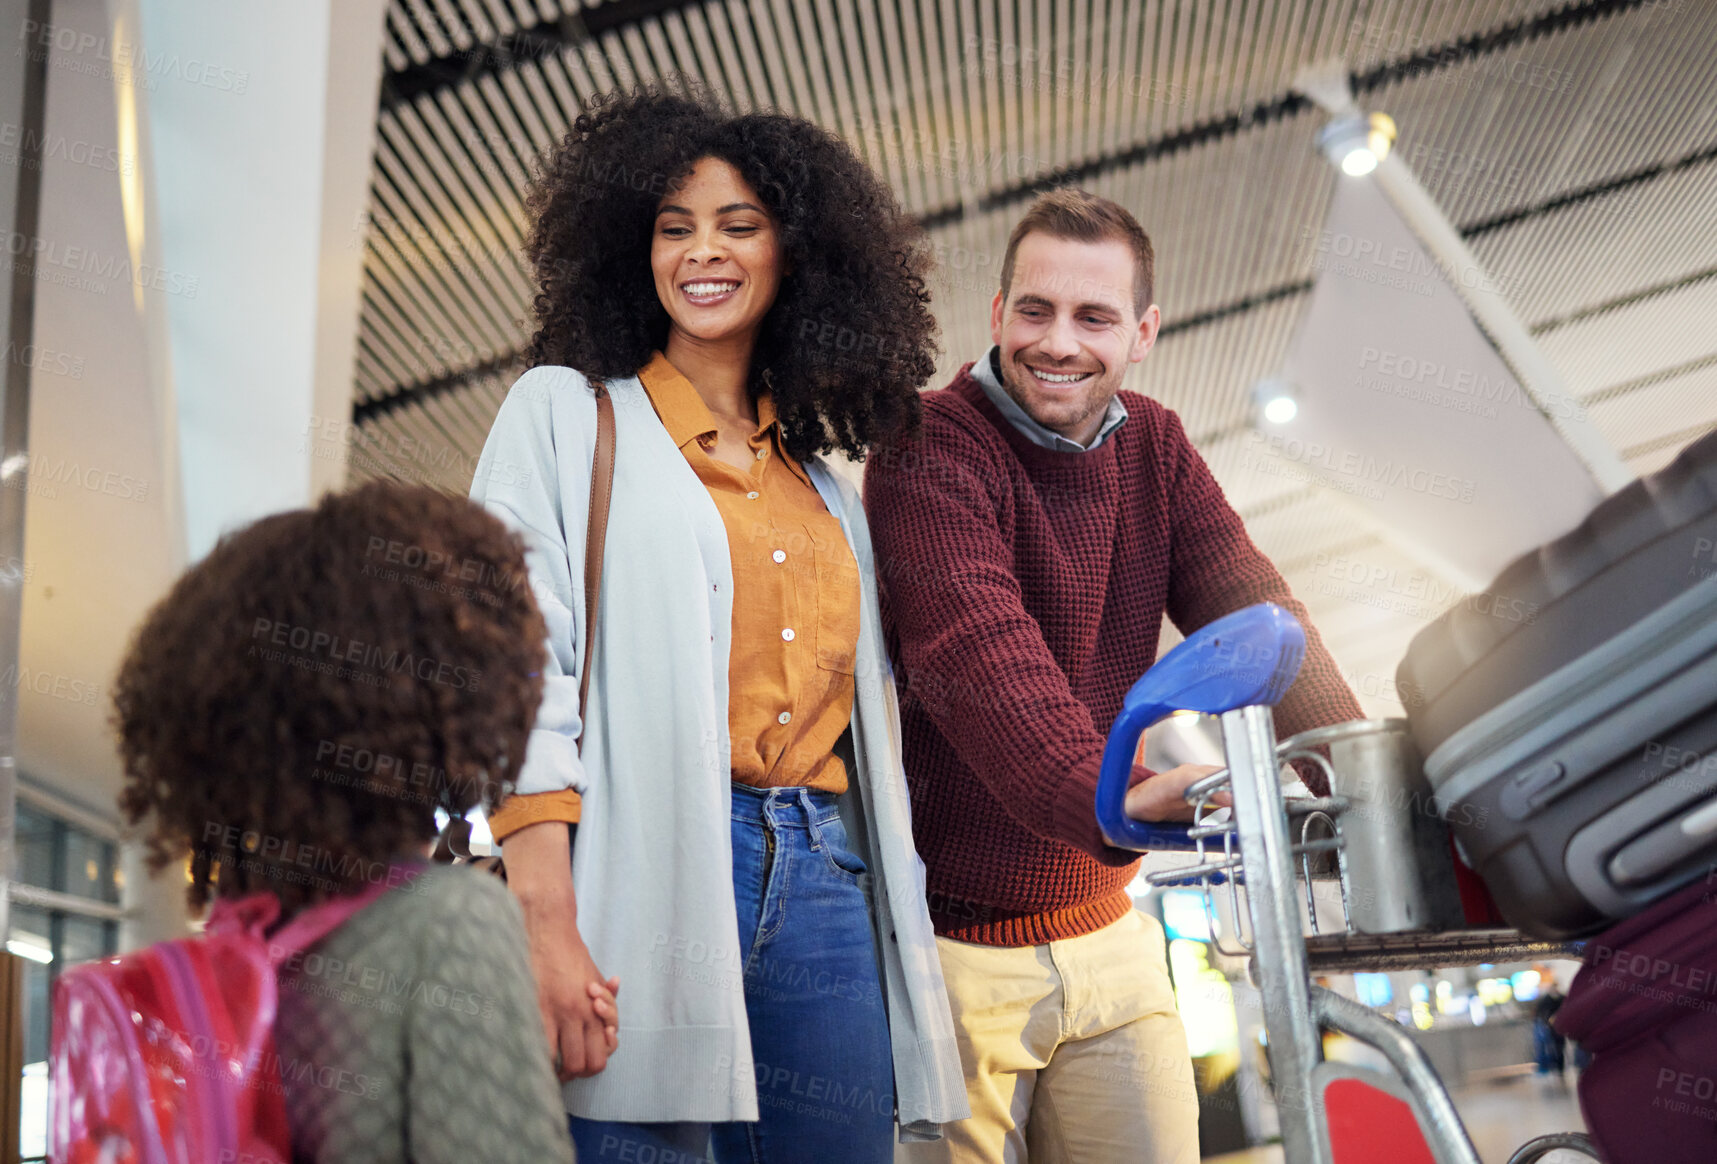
[850, 338]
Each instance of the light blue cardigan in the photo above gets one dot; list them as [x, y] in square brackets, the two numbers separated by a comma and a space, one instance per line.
[653, 855]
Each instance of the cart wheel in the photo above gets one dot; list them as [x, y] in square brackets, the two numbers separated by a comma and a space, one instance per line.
[1544, 1145]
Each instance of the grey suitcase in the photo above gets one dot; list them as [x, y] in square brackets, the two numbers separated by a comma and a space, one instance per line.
[1568, 718]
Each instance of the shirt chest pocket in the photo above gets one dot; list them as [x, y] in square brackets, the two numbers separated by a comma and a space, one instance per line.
[836, 596]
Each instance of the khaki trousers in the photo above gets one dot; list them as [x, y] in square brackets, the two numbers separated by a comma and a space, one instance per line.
[1073, 1052]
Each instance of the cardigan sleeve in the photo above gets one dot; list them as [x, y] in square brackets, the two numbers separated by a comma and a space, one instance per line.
[1217, 569]
[969, 650]
[519, 479]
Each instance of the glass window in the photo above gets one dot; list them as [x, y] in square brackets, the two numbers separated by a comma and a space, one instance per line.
[87, 867]
[35, 847]
[54, 854]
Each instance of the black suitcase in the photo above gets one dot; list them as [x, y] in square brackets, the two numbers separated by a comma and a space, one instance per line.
[1568, 715]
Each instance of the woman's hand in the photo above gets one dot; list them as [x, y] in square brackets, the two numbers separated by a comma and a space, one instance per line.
[1158, 797]
[579, 1008]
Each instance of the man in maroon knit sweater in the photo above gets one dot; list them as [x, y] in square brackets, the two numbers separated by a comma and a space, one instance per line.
[1028, 546]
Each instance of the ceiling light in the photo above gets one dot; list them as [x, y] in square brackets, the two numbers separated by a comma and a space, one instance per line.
[1358, 143]
[34, 951]
[1275, 401]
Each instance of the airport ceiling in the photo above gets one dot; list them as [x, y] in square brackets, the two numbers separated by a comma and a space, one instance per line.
[1573, 145]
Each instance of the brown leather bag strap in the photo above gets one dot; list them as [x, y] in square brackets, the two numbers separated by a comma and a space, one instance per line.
[596, 538]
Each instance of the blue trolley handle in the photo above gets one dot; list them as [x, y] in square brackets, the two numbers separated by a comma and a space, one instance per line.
[1243, 659]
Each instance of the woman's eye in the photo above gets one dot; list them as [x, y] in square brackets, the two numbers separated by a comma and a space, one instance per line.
[742, 230]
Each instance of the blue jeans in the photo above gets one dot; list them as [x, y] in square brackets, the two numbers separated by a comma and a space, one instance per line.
[819, 1032]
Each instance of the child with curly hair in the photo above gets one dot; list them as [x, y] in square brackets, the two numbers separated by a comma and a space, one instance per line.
[290, 716]
[740, 851]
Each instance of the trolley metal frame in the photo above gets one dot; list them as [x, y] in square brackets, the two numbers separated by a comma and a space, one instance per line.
[1257, 847]
[1238, 667]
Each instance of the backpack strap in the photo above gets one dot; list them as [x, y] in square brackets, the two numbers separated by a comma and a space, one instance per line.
[255, 913]
[454, 843]
[596, 537]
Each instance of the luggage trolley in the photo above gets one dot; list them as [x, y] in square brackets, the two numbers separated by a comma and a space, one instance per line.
[1380, 842]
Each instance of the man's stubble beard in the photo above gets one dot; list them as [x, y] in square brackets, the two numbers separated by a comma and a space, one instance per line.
[1097, 401]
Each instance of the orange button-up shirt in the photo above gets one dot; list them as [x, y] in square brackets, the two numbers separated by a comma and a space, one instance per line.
[795, 608]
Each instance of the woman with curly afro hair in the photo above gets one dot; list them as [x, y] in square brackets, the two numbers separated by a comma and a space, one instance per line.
[290, 717]
[731, 836]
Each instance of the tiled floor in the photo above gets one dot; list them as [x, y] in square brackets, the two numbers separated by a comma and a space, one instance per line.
[1499, 1117]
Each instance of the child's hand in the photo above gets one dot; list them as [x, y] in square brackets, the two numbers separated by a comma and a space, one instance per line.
[603, 1001]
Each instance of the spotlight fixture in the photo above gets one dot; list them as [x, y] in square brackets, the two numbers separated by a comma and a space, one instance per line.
[1357, 142]
[1275, 401]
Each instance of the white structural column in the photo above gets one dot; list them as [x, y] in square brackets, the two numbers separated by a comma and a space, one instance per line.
[197, 270]
[260, 168]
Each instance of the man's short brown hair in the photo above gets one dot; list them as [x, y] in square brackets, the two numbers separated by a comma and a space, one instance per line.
[1086, 217]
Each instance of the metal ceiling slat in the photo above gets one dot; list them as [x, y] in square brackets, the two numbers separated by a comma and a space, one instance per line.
[525, 110]
[558, 77]
[880, 100]
[497, 13]
[555, 109]
[462, 27]
[409, 311]
[421, 278]
[429, 27]
[457, 424]
[1120, 31]
[499, 182]
[390, 351]
[665, 62]
[690, 36]
[730, 22]
[902, 119]
[464, 248]
[939, 42]
[405, 30]
[783, 56]
[386, 305]
[975, 110]
[574, 64]
[467, 167]
[846, 65]
[803, 25]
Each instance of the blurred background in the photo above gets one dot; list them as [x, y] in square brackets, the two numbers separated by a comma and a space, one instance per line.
[258, 250]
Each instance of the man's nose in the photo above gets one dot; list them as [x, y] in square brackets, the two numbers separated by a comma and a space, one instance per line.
[1059, 342]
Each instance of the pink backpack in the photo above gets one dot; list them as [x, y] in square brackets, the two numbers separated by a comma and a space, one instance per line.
[166, 1055]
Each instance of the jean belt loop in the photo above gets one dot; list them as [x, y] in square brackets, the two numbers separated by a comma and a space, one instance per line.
[813, 821]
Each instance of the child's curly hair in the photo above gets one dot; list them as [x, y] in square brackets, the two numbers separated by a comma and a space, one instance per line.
[850, 337]
[304, 698]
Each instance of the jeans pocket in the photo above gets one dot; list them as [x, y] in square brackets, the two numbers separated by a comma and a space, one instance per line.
[842, 861]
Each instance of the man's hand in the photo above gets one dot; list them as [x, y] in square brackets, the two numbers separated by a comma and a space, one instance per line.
[1158, 797]
[579, 1009]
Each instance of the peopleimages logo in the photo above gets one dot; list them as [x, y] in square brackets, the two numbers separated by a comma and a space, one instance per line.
[1367, 473]
[1433, 376]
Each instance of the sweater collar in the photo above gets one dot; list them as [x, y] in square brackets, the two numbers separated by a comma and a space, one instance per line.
[987, 372]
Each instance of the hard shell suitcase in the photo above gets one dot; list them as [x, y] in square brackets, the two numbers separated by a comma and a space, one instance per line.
[1568, 715]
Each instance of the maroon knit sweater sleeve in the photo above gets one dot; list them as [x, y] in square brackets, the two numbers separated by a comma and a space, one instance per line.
[940, 513]
[1218, 569]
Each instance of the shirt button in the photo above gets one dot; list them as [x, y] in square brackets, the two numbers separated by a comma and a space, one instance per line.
[779, 555]
[785, 717]
[787, 634]
[752, 495]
